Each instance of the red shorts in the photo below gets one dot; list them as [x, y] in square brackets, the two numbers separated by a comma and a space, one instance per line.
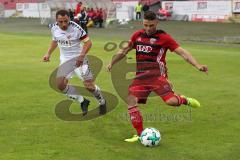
[141, 88]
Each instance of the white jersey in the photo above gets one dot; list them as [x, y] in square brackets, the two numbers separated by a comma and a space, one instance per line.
[69, 41]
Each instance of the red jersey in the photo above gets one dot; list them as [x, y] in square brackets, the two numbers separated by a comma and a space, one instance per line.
[78, 9]
[151, 51]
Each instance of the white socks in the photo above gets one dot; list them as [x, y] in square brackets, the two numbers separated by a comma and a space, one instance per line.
[72, 93]
[98, 95]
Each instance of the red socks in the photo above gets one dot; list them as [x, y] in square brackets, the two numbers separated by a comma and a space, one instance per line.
[136, 119]
[181, 100]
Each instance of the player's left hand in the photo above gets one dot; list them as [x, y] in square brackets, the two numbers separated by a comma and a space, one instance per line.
[79, 61]
[46, 58]
[203, 68]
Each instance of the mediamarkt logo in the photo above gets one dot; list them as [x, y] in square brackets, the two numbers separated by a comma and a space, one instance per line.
[145, 49]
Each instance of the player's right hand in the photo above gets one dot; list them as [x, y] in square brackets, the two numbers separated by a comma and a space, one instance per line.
[109, 67]
[203, 68]
[46, 58]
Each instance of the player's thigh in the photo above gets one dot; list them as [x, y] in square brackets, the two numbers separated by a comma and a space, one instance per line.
[84, 72]
[61, 82]
[141, 93]
[163, 88]
[167, 94]
[66, 68]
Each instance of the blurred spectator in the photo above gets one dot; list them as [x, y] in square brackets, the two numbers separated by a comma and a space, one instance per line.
[78, 8]
[88, 17]
[83, 18]
[138, 10]
[90, 23]
[90, 14]
[163, 14]
[71, 14]
[98, 18]
[145, 7]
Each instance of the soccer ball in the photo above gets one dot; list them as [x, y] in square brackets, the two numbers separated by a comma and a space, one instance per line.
[150, 137]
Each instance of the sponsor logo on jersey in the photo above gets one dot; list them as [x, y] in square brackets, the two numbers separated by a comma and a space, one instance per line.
[152, 40]
[62, 42]
[143, 48]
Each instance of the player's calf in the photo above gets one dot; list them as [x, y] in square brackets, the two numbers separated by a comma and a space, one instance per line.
[172, 102]
[175, 100]
[136, 118]
[96, 91]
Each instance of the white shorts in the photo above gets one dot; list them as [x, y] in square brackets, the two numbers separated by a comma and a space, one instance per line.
[68, 68]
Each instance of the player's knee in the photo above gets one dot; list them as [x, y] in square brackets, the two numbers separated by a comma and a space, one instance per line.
[61, 86]
[89, 86]
[131, 100]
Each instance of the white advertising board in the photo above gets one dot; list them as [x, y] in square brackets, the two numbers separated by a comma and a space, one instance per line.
[236, 6]
[201, 10]
[125, 10]
[34, 10]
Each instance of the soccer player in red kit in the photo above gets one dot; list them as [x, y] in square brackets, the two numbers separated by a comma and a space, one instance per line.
[151, 46]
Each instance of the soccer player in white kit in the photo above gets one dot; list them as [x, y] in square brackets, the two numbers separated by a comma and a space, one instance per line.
[68, 35]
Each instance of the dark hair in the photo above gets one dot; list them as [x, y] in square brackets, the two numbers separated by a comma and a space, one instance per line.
[150, 15]
[62, 13]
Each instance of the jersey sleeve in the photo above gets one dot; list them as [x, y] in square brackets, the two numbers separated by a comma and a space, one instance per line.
[54, 38]
[52, 32]
[170, 43]
[82, 35]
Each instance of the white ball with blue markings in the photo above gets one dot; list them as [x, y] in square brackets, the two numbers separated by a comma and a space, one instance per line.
[150, 137]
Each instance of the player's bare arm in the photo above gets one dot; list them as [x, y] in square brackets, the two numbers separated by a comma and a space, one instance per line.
[120, 55]
[86, 47]
[190, 59]
[52, 47]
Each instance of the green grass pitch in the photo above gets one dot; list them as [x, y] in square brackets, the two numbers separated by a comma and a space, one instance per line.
[29, 129]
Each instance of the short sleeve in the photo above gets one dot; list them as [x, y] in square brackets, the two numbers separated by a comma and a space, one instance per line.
[82, 34]
[170, 43]
[53, 37]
